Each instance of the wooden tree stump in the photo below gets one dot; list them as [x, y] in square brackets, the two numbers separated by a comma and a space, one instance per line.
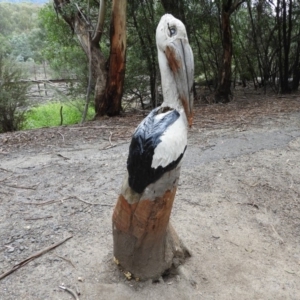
[145, 243]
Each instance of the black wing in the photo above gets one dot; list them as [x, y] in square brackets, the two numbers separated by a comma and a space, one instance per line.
[141, 150]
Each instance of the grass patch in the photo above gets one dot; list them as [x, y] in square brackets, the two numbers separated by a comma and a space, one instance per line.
[48, 115]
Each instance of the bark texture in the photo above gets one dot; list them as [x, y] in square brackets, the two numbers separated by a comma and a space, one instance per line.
[223, 92]
[145, 243]
[284, 22]
[111, 103]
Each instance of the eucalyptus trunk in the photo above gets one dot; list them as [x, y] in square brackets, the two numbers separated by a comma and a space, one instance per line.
[108, 77]
[223, 92]
[111, 103]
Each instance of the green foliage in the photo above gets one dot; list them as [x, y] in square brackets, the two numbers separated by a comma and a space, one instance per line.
[21, 47]
[5, 46]
[142, 71]
[13, 95]
[39, 32]
[18, 24]
[17, 18]
[62, 50]
[48, 115]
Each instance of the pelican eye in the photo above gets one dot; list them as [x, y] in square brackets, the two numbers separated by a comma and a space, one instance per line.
[172, 30]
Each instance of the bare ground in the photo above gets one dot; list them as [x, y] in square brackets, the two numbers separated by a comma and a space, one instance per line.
[237, 207]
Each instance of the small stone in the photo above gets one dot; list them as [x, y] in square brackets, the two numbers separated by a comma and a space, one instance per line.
[193, 282]
[176, 262]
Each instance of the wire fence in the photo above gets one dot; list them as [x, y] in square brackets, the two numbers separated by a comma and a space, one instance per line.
[46, 85]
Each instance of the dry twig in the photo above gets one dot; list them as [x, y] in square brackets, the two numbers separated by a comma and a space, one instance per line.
[32, 257]
[65, 259]
[80, 199]
[49, 201]
[41, 203]
[69, 291]
[62, 136]
[90, 203]
[22, 187]
[5, 178]
[277, 234]
[111, 145]
[64, 157]
[109, 139]
[38, 218]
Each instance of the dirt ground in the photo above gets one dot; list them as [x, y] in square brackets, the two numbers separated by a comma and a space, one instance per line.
[237, 208]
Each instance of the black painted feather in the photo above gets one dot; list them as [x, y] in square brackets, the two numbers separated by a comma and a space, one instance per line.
[141, 150]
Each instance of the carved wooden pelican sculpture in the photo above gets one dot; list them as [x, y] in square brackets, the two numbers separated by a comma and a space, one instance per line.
[144, 241]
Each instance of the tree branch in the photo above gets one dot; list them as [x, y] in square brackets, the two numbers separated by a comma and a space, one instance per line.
[235, 5]
[99, 28]
[82, 14]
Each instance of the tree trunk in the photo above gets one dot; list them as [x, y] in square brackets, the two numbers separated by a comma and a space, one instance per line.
[223, 93]
[110, 104]
[145, 243]
[286, 34]
[82, 29]
[108, 81]
[279, 42]
[284, 21]
[99, 72]
[256, 31]
[296, 69]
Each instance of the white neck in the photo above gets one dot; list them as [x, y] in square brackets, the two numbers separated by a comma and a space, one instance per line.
[169, 88]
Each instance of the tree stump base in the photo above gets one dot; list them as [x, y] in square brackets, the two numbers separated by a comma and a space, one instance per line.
[145, 244]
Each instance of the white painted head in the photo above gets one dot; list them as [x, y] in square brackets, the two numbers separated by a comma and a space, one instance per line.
[176, 63]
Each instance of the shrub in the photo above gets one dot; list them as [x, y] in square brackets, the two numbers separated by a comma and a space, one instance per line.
[13, 95]
[50, 114]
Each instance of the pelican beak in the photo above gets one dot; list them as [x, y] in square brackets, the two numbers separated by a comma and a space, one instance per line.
[181, 61]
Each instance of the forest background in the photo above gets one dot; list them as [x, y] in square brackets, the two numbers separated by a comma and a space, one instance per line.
[255, 44]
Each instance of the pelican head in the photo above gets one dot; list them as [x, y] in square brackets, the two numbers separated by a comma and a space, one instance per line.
[176, 63]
